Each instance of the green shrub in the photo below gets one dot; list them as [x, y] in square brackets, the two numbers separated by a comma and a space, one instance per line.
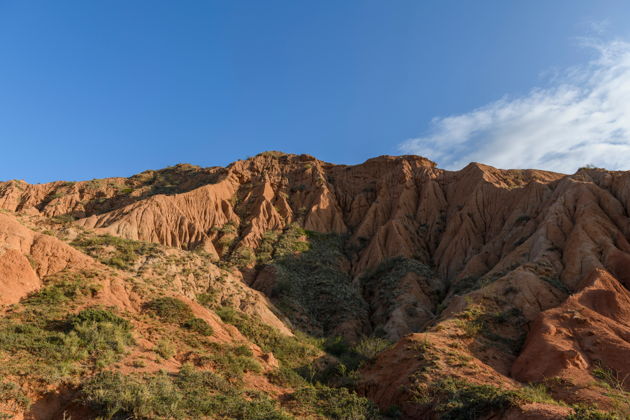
[456, 399]
[336, 346]
[284, 376]
[126, 252]
[97, 334]
[292, 241]
[113, 395]
[227, 314]
[243, 350]
[62, 288]
[198, 325]
[231, 361]
[611, 378]
[288, 350]
[189, 394]
[207, 299]
[164, 348]
[243, 257]
[384, 282]
[49, 350]
[191, 380]
[170, 310]
[350, 358]
[536, 393]
[265, 250]
[63, 218]
[472, 320]
[261, 408]
[336, 403]
[581, 412]
[11, 393]
[369, 347]
[97, 314]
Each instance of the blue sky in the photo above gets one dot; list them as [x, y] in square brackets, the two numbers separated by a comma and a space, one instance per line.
[111, 88]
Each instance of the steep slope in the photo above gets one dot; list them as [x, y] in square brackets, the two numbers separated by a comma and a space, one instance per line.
[471, 273]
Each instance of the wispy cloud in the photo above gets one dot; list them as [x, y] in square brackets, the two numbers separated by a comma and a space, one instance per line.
[583, 118]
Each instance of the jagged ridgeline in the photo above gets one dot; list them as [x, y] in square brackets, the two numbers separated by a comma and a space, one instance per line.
[285, 287]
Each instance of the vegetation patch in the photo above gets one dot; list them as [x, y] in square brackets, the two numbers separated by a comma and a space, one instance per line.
[292, 241]
[199, 326]
[312, 287]
[174, 311]
[582, 412]
[13, 398]
[231, 361]
[99, 335]
[169, 309]
[610, 377]
[336, 403]
[61, 289]
[290, 351]
[382, 286]
[456, 399]
[190, 393]
[538, 393]
[49, 349]
[114, 251]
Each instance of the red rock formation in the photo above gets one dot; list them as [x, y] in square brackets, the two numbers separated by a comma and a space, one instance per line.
[590, 329]
[551, 248]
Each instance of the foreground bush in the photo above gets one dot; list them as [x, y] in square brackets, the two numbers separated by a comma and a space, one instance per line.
[336, 403]
[188, 394]
[174, 311]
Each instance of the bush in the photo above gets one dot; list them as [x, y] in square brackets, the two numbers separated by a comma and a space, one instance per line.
[207, 299]
[170, 310]
[232, 362]
[198, 325]
[284, 376]
[126, 252]
[188, 394]
[610, 377]
[227, 314]
[292, 241]
[10, 392]
[164, 348]
[113, 395]
[582, 412]
[191, 380]
[98, 334]
[384, 282]
[243, 257]
[369, 347]
[62, 288]
[97, 314]
[48, 350]
[536, 393]
[289, 350]
[336, 403]
[336, 346]
[456, 399]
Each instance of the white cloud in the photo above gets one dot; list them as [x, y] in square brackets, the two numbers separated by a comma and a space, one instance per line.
[584, 118]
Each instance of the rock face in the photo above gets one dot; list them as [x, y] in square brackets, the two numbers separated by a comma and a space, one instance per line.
[589, 330]
[464, 266]
[27, 256]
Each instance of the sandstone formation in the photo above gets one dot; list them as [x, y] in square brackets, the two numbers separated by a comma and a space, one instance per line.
[510, 280]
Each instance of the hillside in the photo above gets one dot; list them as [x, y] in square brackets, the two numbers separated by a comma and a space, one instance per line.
[285, 287]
